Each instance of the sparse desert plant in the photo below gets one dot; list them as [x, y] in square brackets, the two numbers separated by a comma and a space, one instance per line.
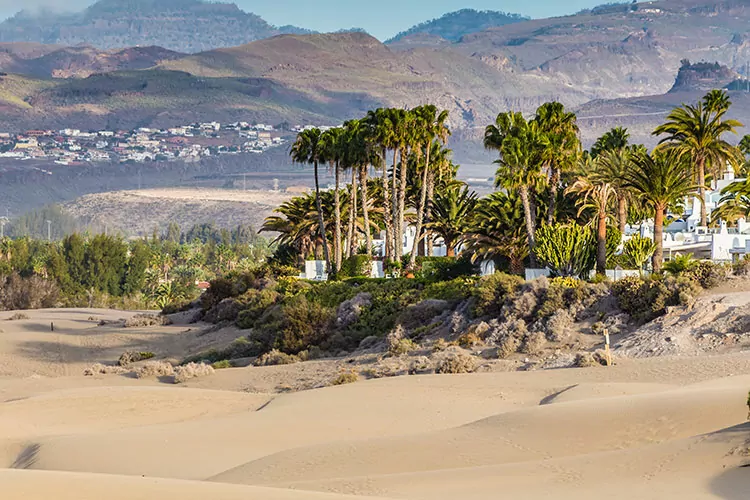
[533, 343]
[589, 359]
[345, 377]
[420, 364]
[191, 370]
[440, 345]
[507, 346]
[276, 357]
[94, 319]
[491, 292]
[559, 326]
[469, 340]
[154, 369]
[100, 369]
[401, 347]
[456, 360]
[223, 364]
[146, 320]
[129, 357]
[33, 292]
[19, 316]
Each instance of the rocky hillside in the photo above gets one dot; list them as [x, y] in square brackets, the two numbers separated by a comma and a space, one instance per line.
[179, 25]
[454, 25]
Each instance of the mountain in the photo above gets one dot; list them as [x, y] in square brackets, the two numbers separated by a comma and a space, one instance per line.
[454, 25]
[179, 25]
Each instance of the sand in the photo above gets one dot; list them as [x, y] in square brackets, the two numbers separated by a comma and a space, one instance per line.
[657, 428]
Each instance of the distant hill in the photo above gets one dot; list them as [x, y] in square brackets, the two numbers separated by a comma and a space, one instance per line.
[703, 76]
[179, 25]
[454, 25]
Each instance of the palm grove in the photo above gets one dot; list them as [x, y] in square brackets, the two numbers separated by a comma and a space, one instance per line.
[556, 205]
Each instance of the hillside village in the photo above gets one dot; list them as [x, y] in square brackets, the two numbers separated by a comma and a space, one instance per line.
[187, 143]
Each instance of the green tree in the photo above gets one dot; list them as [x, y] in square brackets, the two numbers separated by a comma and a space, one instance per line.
[660, 180]
[334, 151]
[637, 251]
[615, 139]
[697, 132]
[308, 148]
[451, 213]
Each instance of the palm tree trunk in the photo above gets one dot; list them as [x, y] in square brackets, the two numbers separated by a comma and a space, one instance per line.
[321, 221]
[420, 211]
[402, 205]
[601, 244]
[397, 233]
[622, 213]
[554, 181]
[365, 210]
[516, 266]
[658, 258]
[450, 248]
[702, 190]
[430, 199]
[530, 223]
[352, 216]
[337, 215]
[387, 214]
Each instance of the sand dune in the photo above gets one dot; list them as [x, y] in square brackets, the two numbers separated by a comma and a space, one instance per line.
[660, 428]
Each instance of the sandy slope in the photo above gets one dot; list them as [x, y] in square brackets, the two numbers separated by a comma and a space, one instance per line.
[659, 428]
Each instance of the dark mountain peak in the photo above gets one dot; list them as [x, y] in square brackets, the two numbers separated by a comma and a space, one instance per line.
[703, 76]
[454, 25]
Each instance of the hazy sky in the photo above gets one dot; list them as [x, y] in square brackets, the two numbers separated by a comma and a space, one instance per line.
[382, 18]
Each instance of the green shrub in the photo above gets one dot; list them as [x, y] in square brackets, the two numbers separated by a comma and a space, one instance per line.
[454, 290]
[637, 251]
[647, 298]
[707, 274]
[401, 347]
[223, 364]
[444, 268]
[256, 303]
[680, 264]
[491, 292]
[240, 348]
[570, 249]
[177, 307]
[295, 325]
[355, 266]
[220, 289]
[274, 358]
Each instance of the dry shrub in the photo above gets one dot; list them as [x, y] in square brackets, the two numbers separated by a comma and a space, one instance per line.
[588, 359]
[559, 326]
[276, 357]
[191, 370]
[456, 360]
[419, 365]
[440, 345]
[507, 346]
[18, 317]
[146, 320]
[533, 343]
[469, 340]
[154, 369]
[345, 377]
[100, 369]
[128, 357]
[397, 342]
[33, 292]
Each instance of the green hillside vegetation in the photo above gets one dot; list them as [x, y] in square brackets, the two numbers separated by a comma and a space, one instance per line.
[454, 25]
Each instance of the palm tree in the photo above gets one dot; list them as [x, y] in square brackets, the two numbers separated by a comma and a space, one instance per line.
[451, 213]
[498, 230]
[661, 179]
[296, 225]
[308, 148]
[382, 135]
[360, 156]
[597, 194]
[333, 152]
[563, 146]
[611, 167]
[519, 167]
[734, 203]
[696, 132]
[615, 139]
[434, 131]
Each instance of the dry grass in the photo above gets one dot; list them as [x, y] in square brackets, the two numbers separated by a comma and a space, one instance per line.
[19, 316]
[154, 369]
[456, 360]
[190, 371]
[345, 377]
[276, 357]
[128, 357]
[146, 320]
[100, 369]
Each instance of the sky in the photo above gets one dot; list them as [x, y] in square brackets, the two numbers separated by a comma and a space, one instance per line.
[381, 18]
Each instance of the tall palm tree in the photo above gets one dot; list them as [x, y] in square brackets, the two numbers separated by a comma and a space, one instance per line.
[382, 135]
[434, 131]
[410, 137]
[615, 139]
[451, 213]
[734, 203]
[498, 230]
[333, 151]
[596, 193]
[308, 148]
[611, 167]
[697, 133]
[563, 146]
[360, 156]
[519, 167]
[661, 179]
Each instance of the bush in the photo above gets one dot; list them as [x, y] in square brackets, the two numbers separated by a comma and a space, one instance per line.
[445, 268]
[177, 307]
[256, 303]
[190, 371]
[707, 274]
[240, 348]
[491, 293]
[146, 320]
[401, 347]
[453, 291]
[345, 377]
[355, 266]
[570, 249]
[469, 340]
[647, 298]
[533, 343]
[559, 326]
[100, 369]
[33, 292]
[276, 357]
[154, 369]
[19, 316]
[127, 358]
[296, 325]
[456, 361]
[222, 365]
